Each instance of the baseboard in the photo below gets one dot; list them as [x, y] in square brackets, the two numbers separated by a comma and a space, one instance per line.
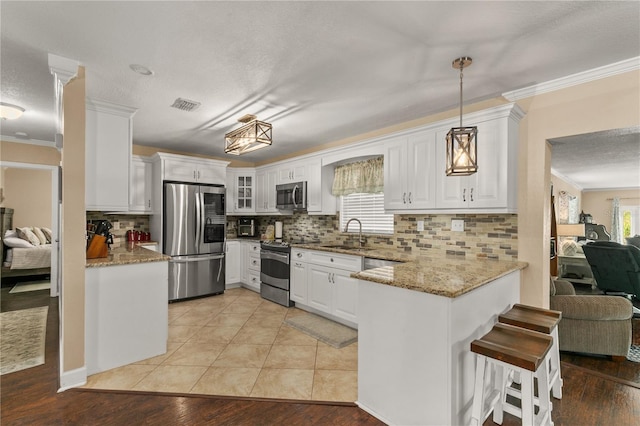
[73, 379]
[373, 413]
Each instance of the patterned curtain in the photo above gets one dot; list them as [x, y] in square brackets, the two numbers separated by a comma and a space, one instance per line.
[616, 223]
[359, 177]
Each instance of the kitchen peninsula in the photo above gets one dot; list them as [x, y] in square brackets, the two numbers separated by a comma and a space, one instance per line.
[126, 307]
[416, 321]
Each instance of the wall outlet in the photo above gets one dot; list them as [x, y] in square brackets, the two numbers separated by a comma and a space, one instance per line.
[420, 225]
[116, 226]
[457, 225]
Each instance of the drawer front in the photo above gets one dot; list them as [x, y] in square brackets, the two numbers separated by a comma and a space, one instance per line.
[299, 255]
[254, 248]
[253, 280]
[254, 262]
[334, 260]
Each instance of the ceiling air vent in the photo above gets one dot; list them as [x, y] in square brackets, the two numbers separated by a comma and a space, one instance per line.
[185, 104]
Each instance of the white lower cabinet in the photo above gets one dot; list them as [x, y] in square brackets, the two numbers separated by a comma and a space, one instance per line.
[319, 282]
[123, 330]
[233, 261]
[250, 269]
[298, 280]
[320, 288]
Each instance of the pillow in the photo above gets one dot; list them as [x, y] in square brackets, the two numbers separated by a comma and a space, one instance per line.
[15, 242]
[10, 233]
[47, 234]
[28, 235]
[40, 235]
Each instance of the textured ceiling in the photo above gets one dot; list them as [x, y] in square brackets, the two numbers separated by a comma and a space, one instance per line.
[318, 71]
[600, 160]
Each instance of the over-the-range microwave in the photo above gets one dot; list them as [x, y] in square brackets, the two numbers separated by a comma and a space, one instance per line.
[291, 196]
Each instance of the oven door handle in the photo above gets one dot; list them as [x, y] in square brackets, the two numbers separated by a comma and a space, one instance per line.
[284, 258]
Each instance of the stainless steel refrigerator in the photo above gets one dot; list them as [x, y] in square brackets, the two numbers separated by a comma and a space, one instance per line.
[194, 236]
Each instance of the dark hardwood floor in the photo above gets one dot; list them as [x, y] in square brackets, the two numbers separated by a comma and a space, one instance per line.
[594, 393]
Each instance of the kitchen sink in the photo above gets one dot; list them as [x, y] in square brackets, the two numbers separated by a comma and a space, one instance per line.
[370, 263]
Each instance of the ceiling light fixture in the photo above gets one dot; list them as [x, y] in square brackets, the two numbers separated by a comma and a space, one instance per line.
[253, 135]
[9, 111]
[462, 141]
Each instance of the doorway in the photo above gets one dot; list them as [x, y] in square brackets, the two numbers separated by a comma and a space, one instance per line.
[29, 193]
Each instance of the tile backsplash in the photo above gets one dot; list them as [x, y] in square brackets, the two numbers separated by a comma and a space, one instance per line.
[493, 236]
[121, 224]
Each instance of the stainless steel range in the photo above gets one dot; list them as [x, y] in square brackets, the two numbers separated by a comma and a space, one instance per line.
[274, 272]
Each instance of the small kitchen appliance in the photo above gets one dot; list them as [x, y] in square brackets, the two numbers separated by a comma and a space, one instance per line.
[291, 196]
[246, 227]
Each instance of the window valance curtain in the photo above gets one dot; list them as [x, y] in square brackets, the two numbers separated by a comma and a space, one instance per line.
[359, 177]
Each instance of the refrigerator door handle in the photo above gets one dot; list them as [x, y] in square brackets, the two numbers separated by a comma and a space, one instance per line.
[198, 220]
[199, 258]
[219, 269]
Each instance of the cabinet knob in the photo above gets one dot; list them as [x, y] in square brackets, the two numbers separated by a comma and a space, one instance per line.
[332, 259]
[299, 254]
[404, 198]
[464, 194]
[409, 198]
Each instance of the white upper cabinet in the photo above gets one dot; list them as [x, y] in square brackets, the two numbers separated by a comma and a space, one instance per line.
[266, 190]
[141, 185]
[108, 132]
[319, 182]
[241, 188]
[409, 166]
[292, 173]
[493, 187]
[192, 169]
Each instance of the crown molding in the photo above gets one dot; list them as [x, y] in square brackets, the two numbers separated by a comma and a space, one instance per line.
[62, 68]
[632, 64]
[566, 179]
[50, 144]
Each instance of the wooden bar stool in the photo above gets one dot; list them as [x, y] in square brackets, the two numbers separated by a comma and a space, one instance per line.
[505, 349]
[543, 321]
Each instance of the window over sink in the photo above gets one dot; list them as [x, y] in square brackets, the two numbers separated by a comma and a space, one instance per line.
[369, 209]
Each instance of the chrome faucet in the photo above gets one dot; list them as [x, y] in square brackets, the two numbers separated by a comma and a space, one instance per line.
[346, 229]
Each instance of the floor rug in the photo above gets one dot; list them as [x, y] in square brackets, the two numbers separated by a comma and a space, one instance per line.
[22, 339]
[327, 331]
[634, 353]
[31, 286]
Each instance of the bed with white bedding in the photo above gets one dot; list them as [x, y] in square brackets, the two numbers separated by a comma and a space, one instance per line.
[26, 251]
[28, 258]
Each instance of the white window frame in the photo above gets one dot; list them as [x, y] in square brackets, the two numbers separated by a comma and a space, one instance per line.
[635, 218]
[369, 209]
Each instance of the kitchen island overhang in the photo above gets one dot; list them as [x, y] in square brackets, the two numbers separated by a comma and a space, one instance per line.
[416, 322]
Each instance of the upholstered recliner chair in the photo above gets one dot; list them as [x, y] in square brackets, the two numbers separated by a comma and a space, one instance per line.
[592, 324]
[615, 267]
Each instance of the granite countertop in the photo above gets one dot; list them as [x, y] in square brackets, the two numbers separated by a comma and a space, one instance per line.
[440, 274]
[128, 253]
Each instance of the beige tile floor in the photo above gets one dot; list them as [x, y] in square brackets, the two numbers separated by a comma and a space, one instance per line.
[237, 344]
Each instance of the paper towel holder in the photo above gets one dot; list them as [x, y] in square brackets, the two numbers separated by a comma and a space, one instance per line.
[278, 231]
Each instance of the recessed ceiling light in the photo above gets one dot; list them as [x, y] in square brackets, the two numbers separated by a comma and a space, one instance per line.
[9, 111]
[141, 69]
